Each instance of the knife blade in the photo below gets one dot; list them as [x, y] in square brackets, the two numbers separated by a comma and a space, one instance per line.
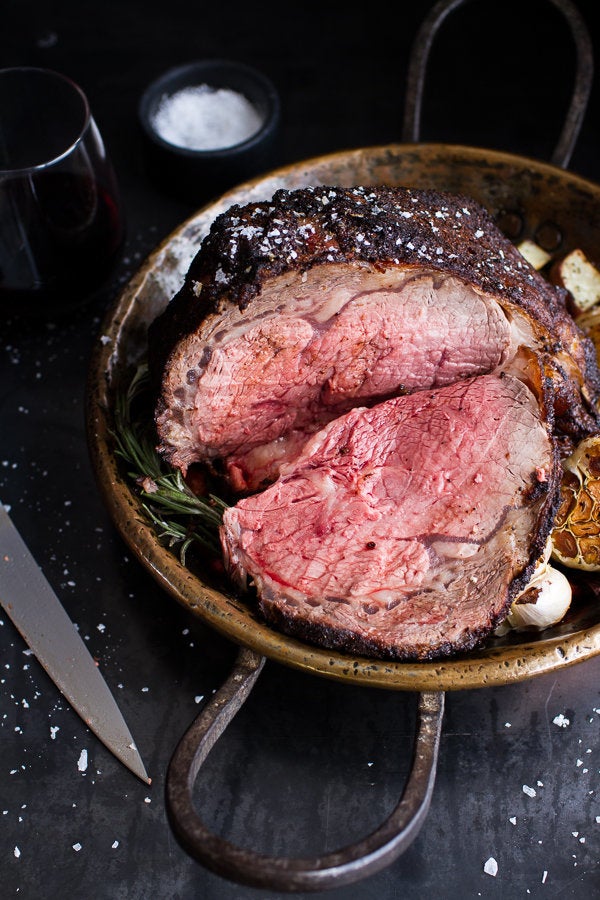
[43, 623]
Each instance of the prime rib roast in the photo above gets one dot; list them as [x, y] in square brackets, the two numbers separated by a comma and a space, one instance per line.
[387, 387]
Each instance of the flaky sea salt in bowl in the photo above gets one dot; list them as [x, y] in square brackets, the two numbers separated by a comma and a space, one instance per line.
[209, 125]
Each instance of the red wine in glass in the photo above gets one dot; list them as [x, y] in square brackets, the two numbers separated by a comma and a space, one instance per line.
[61, 226]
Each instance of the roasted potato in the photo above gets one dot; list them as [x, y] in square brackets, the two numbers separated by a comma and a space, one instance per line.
[535, 255]
[580, 278]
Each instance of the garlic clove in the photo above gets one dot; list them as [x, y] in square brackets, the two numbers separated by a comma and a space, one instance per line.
[544, 602]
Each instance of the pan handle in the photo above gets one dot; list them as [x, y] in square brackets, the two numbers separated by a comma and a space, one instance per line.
[417, 70]
[340, 867]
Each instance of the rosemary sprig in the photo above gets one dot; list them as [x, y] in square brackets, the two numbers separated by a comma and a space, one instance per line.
[179, 516]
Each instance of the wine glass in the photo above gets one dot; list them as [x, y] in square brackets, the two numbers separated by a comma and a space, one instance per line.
[61, 225]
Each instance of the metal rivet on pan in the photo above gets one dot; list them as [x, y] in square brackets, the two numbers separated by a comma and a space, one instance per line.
[510, 223]
[549, 236]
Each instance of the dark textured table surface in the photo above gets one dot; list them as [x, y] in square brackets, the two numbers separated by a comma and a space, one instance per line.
[308, 764]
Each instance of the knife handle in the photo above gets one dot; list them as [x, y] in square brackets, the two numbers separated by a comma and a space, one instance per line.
[344, 866]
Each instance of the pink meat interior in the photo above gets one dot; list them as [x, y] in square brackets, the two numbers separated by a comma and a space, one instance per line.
[289, 372]
[400, 508]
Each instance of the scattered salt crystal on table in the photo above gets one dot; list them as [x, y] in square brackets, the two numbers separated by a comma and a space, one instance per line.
[513, 820]
[77, 847]
[205, 118]
[561, 721]
[82, 762]
[114, 845]
[491, 867]
[17, 852]
[531, 792]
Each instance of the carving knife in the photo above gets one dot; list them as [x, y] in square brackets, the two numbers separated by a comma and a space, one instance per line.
[42, 621]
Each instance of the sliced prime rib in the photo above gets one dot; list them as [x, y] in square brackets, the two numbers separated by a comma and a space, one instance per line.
[328, 306]
[401, 529]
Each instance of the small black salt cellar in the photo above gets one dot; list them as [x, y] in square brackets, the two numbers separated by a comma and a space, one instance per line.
[209, 125]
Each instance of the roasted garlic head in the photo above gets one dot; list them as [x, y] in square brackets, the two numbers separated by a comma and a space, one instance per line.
[576, 534]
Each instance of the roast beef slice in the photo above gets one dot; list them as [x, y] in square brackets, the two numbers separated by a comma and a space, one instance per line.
[404, 529]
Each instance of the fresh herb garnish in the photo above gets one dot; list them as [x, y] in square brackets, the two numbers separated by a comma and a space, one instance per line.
[179, 516]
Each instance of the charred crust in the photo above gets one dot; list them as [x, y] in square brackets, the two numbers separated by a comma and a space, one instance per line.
[349, 642]
[545, 525]
[299, 229]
